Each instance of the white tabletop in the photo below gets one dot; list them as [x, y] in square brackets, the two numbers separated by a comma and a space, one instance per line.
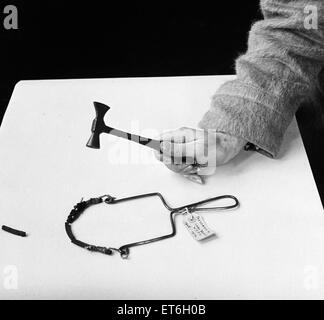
[271, 247]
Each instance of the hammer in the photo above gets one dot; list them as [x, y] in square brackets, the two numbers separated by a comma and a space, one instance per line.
[99, 127]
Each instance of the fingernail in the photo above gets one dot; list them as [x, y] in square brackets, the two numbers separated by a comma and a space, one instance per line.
[187, 169]
[190, 170]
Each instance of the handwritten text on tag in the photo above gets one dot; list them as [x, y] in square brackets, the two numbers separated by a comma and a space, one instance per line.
[196, 226]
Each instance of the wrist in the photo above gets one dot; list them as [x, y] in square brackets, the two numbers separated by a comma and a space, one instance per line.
[228, 147]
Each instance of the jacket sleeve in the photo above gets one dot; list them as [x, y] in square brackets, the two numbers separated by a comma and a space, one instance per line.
[277, 74]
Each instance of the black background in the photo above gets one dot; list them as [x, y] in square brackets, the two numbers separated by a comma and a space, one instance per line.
[97, 39]
[56, 40]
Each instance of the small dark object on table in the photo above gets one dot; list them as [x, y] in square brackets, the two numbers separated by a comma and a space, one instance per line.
[14, 231]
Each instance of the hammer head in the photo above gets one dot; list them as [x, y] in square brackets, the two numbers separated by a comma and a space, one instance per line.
[98, 125]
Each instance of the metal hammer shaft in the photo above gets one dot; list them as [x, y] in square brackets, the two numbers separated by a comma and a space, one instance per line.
[147, 142]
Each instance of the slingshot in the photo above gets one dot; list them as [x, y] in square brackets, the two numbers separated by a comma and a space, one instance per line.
[124, 251]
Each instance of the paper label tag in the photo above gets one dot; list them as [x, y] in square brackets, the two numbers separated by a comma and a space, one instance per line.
[196, 226]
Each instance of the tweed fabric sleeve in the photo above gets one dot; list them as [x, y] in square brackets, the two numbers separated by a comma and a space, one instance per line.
[276, 75]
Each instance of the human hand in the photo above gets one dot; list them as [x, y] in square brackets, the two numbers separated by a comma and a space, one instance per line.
[195, 153]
